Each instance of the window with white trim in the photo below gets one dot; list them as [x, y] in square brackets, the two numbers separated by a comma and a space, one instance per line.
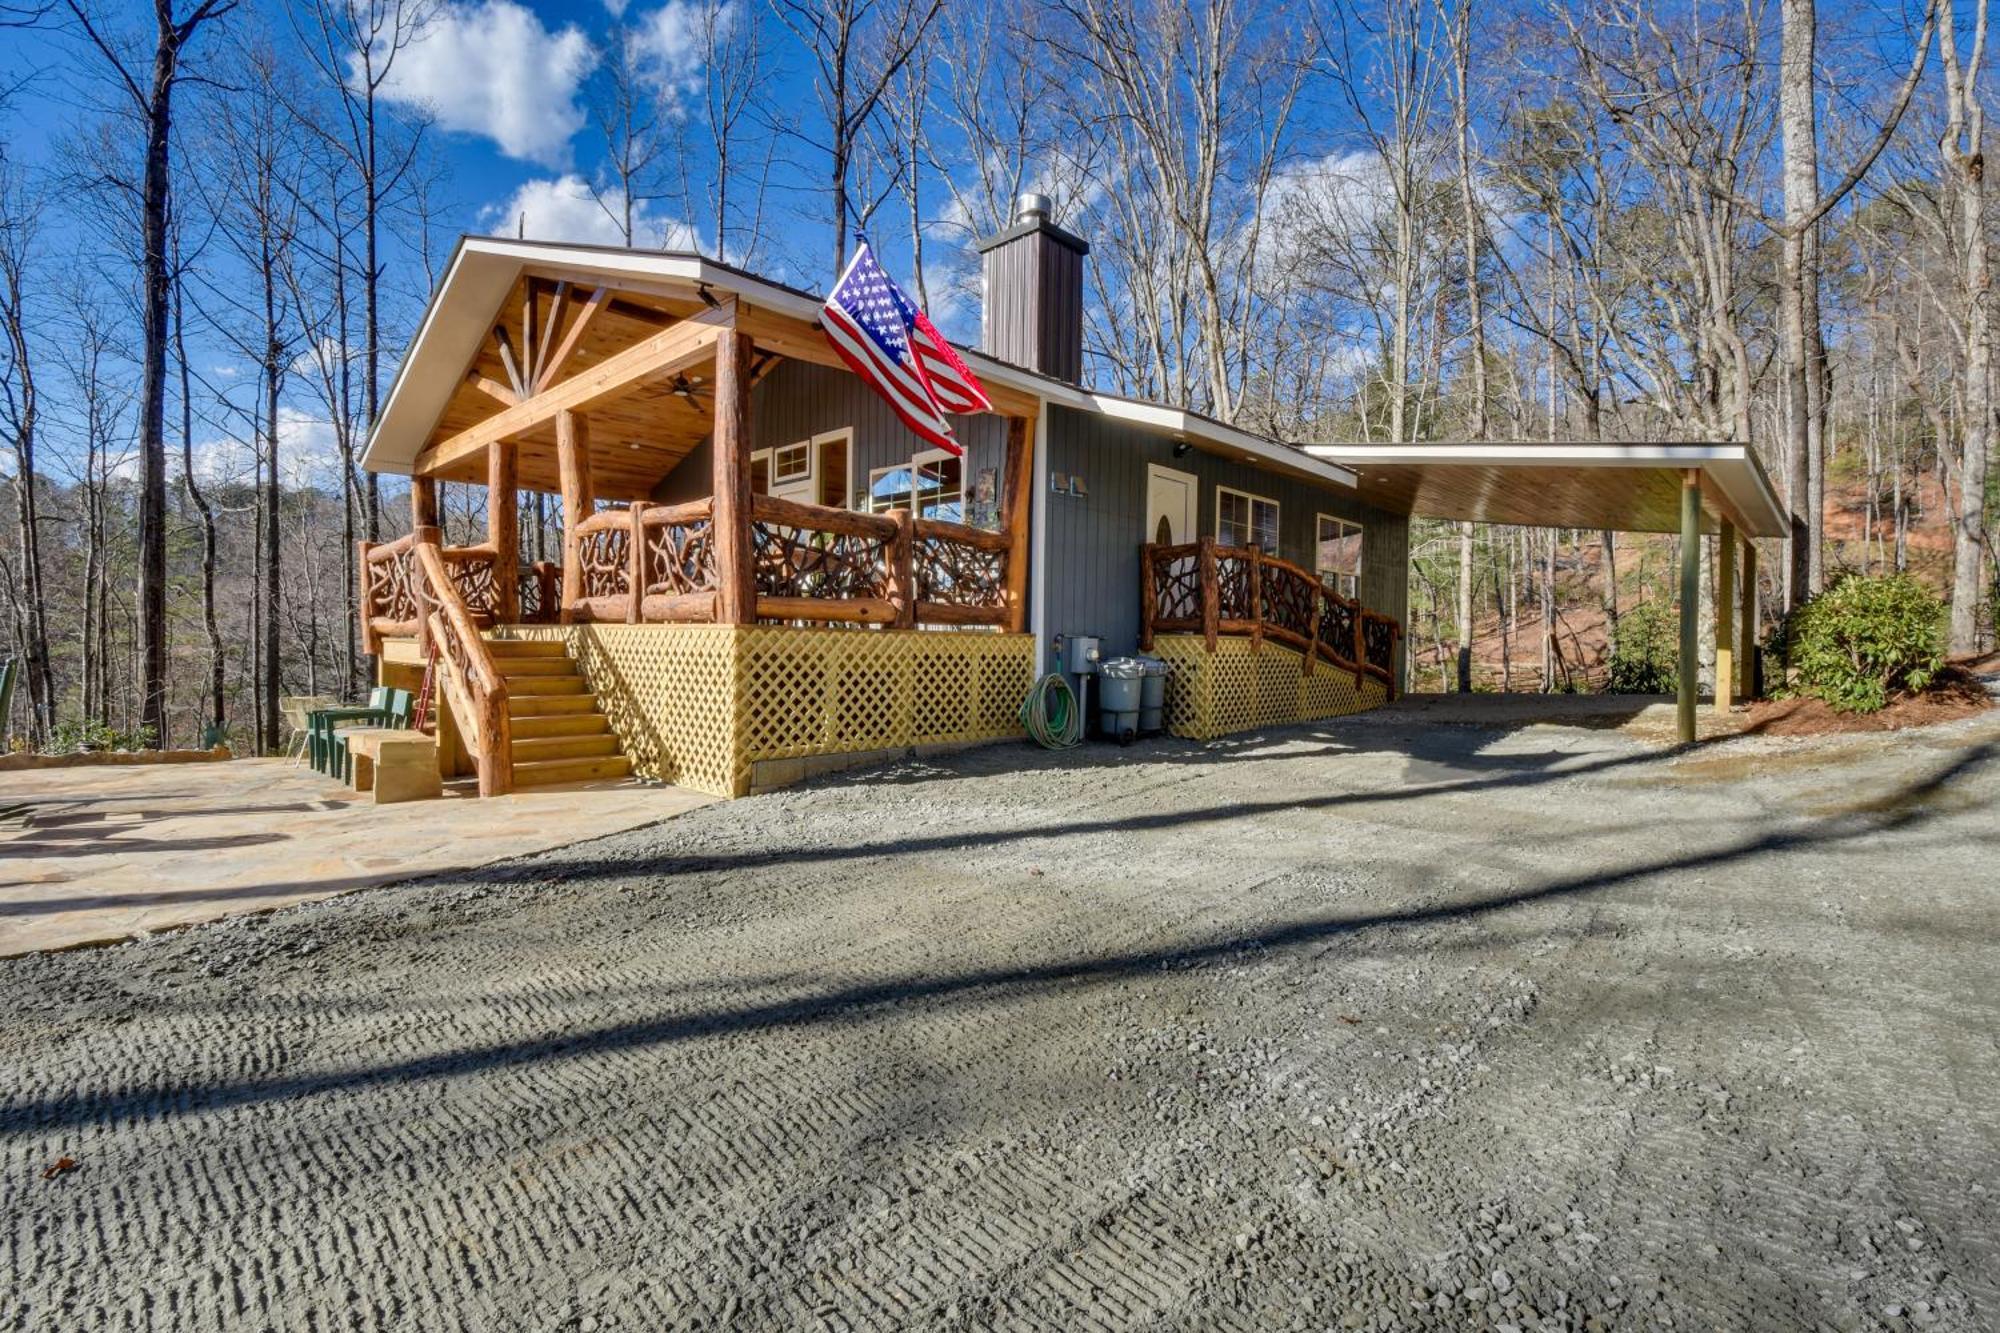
[1243, 519]
[792, 462]
[1337, 554]
[930, 485]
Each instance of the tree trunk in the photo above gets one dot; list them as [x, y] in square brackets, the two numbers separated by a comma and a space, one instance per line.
[1799, 299]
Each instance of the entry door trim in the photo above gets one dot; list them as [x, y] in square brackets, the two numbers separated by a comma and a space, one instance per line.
[1192, 513]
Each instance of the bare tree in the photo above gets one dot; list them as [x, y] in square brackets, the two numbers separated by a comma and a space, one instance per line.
[354, 45]
[20, 411]
[857, 47]
[151, 91]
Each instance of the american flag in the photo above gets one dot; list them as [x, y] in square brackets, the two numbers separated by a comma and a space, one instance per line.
[887, 341]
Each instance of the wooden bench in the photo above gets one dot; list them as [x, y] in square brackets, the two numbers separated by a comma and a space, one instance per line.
[395, 765]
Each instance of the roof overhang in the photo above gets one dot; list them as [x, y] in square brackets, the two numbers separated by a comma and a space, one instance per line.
[1216, 437]
[1625, 487]
[484, 269]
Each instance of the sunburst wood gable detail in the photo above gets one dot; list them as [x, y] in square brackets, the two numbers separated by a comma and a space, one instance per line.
[672, 351]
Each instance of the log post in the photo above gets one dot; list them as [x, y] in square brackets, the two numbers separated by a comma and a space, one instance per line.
[735, 573]
[420, 584]
[1211, 594]
[371, 645]
[1148, 596]
[1360, 642]
[1255, 582]
[1312, 632]
[1725, 616]
[903, 568]
[423, 502]
[1690, 663]
[1746, 653]
[573, 465]
[1016, 498]
[503, 529]
[635, 565]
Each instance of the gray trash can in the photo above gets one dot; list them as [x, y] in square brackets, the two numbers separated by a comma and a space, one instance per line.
[1152, 696]
[1120, 689]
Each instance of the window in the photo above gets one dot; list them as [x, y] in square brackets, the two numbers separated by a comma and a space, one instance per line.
[1242, 519]
[931, 485]
[1337, 554]
[813, 469]
[793, 462]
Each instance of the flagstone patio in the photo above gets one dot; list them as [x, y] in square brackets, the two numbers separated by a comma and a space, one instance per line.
[92, 855]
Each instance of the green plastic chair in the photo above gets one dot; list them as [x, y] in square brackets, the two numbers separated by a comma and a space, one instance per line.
[8, 670]
[387, 707]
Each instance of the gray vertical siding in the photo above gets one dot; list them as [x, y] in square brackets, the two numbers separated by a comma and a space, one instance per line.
[798, 400]
[1092, 560]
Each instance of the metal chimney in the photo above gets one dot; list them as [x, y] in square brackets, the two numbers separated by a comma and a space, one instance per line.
[1033, 313]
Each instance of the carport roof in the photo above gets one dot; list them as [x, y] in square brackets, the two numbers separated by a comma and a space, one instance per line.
[1632, 486]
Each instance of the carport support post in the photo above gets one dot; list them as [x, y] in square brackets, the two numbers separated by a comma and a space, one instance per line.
[1690, 663]
[1746, 656]
[1725, 616]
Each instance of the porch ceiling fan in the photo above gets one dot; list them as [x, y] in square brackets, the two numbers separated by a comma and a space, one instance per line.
[686, 388]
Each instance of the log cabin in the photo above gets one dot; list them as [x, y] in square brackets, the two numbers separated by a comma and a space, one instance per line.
[763, 574]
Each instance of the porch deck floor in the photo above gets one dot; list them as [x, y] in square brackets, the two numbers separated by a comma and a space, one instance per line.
[93, 855]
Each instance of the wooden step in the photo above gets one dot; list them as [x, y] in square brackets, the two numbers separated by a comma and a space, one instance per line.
[527, 648]
[541, 684]
[531, 727]
[543, 705]
[532, 748]
[525, 668]
[541, 772]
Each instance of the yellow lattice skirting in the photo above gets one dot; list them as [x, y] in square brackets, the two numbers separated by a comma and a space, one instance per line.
[730, 709]
[1240, 686]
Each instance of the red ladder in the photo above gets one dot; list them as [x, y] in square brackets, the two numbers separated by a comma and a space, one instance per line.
[420, 717]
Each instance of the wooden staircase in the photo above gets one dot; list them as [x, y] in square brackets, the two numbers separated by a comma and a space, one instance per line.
[559, 735]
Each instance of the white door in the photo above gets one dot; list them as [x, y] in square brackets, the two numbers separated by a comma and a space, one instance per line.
[1171, 505]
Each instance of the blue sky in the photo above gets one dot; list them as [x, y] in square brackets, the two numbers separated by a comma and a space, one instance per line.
[509, 87]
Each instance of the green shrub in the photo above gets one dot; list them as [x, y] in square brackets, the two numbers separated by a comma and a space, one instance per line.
[75, 735]
[1862, 640]
[1647, 655]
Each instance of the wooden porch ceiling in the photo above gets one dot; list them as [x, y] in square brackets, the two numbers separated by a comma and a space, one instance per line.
[1631, 486]
[638, 358]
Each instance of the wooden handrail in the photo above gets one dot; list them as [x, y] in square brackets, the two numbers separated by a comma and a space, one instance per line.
[821, 518]
[471, 676]
[964, 534]
[1267, 581]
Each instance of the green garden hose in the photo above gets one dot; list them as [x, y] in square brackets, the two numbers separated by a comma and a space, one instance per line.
[1051, 715]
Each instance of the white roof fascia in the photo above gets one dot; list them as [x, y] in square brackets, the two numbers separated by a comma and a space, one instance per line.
[1174, 421]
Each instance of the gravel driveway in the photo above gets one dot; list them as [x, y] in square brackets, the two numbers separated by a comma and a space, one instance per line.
[1378, 1024]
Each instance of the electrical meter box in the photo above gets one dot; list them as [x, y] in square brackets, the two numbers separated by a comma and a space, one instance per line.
[1080, 653]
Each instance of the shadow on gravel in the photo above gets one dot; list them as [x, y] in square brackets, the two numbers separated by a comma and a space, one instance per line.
[853, 1004]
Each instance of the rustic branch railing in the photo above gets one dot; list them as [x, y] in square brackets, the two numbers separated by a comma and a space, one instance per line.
[538, 592]
[473, 571]
[1208, 589]
[960, 573]
[470, 677]
[389, 604]
[810, 564]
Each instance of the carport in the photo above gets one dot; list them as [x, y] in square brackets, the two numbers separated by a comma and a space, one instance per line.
[1697, 490]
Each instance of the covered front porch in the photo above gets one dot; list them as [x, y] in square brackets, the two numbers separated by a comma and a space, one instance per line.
[630, 401]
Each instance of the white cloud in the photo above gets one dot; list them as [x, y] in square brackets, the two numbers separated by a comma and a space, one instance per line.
[493, 69]
[666, 45]
[562, 209]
